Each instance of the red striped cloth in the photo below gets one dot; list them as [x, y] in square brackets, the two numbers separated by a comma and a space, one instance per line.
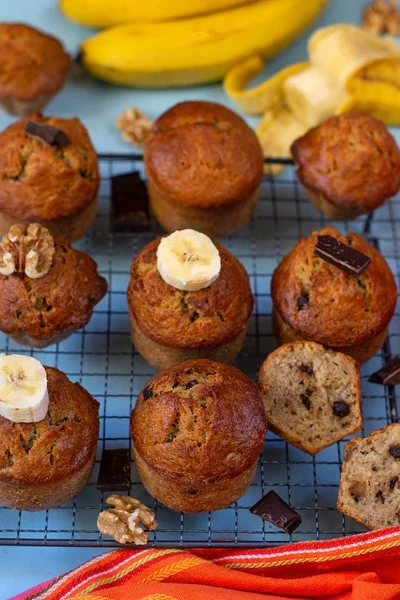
[363, 567]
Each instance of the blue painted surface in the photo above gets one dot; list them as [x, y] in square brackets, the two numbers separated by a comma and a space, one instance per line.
[98, 105]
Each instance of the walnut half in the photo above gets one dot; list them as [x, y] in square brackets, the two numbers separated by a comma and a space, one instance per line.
[122, 522]
[135, 126]
[28, 250]
[382, 17]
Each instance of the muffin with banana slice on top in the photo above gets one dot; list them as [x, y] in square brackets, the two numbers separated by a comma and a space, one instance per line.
[48, 290]
[49, 429]
[188, 298]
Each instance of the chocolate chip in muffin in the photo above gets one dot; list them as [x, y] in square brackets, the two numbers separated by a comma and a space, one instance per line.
[306, 369]
[191, 384]
[306, 401]
[341, 409]
[192, 492]
[147, 392]
[392, 483]
[302, 301]
[395, 451]
[52, 136]
[379, 496]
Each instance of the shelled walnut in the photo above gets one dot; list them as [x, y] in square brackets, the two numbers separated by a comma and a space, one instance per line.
[28, 250]
[122, 522]
[135, 126]
[382, 17]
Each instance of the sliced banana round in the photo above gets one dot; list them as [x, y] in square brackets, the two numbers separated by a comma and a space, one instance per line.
[23, 389]
[188, 260]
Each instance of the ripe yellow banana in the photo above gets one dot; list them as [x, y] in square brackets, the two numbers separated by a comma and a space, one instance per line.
[198, 50]
[103, 13]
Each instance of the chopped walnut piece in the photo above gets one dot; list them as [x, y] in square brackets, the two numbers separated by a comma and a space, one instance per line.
[382, 17]
[122, 522]
[28, 250]
[135, 126]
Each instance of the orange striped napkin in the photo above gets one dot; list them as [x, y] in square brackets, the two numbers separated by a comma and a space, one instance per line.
[363, 567]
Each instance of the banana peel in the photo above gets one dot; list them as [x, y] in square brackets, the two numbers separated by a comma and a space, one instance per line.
[349, 68]
[261, 98]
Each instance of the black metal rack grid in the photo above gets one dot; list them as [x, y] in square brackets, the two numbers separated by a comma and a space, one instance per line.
[102, 358]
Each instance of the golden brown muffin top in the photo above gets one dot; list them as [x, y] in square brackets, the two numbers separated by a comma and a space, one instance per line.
[323, 303]
[56, 447]
[351, 158]
[199, 420]
[201, 319]
[39, 182]
[33, 63]
[202, 154]
[61, 300]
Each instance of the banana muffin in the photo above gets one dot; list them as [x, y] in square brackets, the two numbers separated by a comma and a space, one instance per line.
[45, 464]
[204, 166]
[349, 165]
[311, 395]
[369, 490]
[318, 301]
[48, 290]
[34, 68]
[48, 174]
[170, 325]
[198, 428]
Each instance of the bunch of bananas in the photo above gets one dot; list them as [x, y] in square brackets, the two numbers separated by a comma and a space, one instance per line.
[349, 68]
[177, 43]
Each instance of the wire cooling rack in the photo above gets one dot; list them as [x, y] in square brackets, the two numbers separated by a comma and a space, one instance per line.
[102, 359]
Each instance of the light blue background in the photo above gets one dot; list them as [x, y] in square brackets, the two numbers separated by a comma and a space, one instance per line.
[98, 105]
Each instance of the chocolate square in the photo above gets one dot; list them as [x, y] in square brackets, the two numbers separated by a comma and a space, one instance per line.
[389, 374]
[130, 204]
[52, 136]
[342, 256]
[115, 471]
[275, 510]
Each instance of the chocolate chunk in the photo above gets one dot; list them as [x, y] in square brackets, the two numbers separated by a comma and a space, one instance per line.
[395, 451]
[306, 369]
[192, 492]
[115, 471]
[379, 496]
[47, 133]
[191, 384]
[346, 258]
[302, 301]
[306, 401]
[341, 409]
[275, 510]
[147, 392]
[389, 374]
[130, 204]
[392, 483]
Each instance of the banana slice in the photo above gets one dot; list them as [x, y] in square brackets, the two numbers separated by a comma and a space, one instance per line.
[188, 260]
[23, 389]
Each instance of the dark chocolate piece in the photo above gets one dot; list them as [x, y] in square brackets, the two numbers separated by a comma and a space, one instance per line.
[389, 374]
[302, 301]
[341, 409]
[392, 483]
[47, 133]
[395, 451]
[346, 258]
[275, 510]
[130, 204]
[115, 471]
